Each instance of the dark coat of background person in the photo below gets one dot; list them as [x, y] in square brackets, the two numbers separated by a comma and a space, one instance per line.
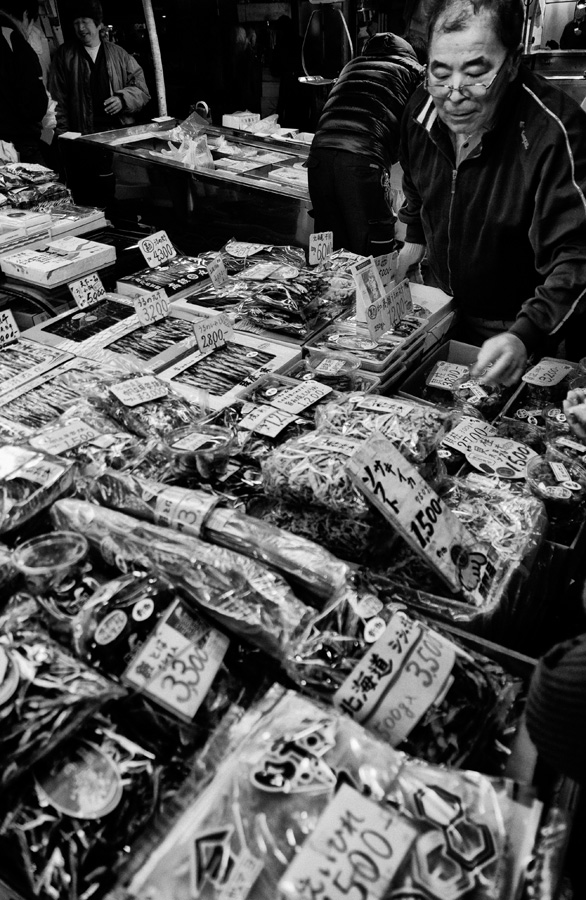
[357, 141]
[23, 98]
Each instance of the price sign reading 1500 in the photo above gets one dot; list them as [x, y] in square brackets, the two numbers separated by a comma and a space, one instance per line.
[423, 523]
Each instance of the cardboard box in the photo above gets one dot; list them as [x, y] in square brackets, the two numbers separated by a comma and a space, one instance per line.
[268, 357]
[452, 351]
[111, 329]
[240, 119]
[59, 262]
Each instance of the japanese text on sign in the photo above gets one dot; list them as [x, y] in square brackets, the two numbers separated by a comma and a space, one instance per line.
[88, 290]
[355, 851]
[178, 663]
[467, 433]
[375, 403]
[59, 440]
[217, 272]
[266, 421]
[387, 266]
[321, 244]
[182, 509]
[500, 456]
[548, 372]
[388, 310]
[9, 330]
[398, 679]
[135, 391]
[157, 248]
[213, 333]
[445, 374]
[300, 397]
[397, 489]
[369, 287]
[151, 307]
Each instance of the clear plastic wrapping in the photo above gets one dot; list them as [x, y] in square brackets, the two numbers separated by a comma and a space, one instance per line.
[29, 482]
[238, 255]
[415, 430]
[46, 694]
[304, 562]
[239, 593]
[413, 686]
[303, 771]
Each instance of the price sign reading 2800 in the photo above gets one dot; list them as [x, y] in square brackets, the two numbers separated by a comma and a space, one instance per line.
[395, 487]
[354, 852]
[157, 248]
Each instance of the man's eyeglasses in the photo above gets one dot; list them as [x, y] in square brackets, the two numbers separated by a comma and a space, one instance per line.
[468, 89]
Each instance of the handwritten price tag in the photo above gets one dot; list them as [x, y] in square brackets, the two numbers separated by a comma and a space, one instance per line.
[548, 372]
[396, 488]
[9, 330]
[500, 456]
[213, 333]
[135, 391]
[183, 509]
[60, 440]
[217, 272]
[178, 663]
[266, 421]
[445, 374]
[151, 307]
[321, 244]
[88, 290]
[398, 679]
[157, 248]
[467, 434]
[388, 310]
[385, 405]
[387, 266]
[355, 851]
[300, 397]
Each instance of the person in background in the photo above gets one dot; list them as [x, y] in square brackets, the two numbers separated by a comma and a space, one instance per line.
[494, 162]
[574, 34]
[357, 141]
[23, 97]
[243, 94]
[97, 85]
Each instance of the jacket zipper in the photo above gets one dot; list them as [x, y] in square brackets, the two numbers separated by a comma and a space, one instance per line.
[452, 193]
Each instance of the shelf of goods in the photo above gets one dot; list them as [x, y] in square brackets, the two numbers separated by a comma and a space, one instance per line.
[267, 630]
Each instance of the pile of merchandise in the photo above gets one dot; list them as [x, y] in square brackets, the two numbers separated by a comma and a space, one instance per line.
[224, 664]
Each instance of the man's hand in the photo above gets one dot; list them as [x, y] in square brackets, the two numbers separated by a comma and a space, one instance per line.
[113, 105]
[506, 356]
[409, 255]
[575, 410]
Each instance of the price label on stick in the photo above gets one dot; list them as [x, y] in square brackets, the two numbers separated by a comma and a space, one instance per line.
[387, 266]
[354, 852]
[217, 272]
[9, 330]
[213, 333]
[151, 307]
[388, 310]
[321, 244]
[434, 532]
[87, 290]
[157, 248]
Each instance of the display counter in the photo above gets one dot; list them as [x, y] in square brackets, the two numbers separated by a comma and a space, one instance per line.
[205, 207]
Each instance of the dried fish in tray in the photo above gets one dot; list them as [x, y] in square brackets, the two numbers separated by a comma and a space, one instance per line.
[151, 340]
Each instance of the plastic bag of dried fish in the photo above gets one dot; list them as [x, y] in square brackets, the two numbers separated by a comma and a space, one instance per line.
[29, 482]
[239, 255]
[238, 593]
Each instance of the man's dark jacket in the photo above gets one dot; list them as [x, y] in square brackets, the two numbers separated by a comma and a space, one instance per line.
[23, 98]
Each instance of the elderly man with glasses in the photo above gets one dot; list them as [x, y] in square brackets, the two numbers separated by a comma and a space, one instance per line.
[494, 162]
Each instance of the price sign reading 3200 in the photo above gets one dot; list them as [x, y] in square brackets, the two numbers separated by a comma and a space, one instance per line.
[157, 248]
[151, 307]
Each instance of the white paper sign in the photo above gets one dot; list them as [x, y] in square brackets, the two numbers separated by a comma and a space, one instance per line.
[434, 532]
[399, 677]
[88, 290]
[157, 248]
[375, 403]
[213, 333]
[60, 440]
[300, 397]
[321, 244]
[135, 391]
[151, 307]
[387, 266]
[178, 663]
[388, 310]
[330, 366]
[500, 456]
[445, 374]
[548, 372]
[217, 272]
[467, 434]
[354, 851]
[9, 330]
[266, 421]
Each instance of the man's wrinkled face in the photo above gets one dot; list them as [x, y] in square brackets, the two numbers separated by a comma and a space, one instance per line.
[87, 31]
[474, 55]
